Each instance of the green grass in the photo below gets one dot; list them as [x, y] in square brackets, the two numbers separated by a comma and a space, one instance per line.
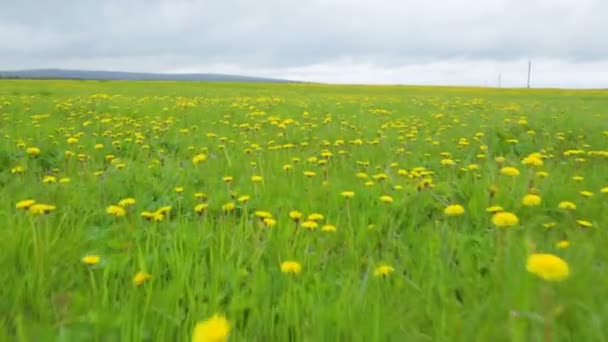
[455, 278]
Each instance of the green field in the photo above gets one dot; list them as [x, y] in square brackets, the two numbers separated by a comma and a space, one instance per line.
[216, 172]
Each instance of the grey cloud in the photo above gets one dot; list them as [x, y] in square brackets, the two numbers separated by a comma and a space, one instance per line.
[285, 35]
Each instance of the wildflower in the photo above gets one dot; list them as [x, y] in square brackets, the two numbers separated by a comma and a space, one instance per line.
[32, 151]
[533, 159]
[116, 210]
[386, 199]
[383, 270]
[548, 267]
[25, 204]
[509, 171]
[499, 160]
[179, 189]
[295, 215]
[227, 179]
[141, 277]
[563, 244]
[228, 207]
[549, 225]
[566, 205]
[310, 173]
[584, 224]
[347, 194]
[257, 179]
[262, 214]
[199, 158]
[315, 217]
[91, 259]
[269, 222]
[200, 208]
[454, 210]
[98, 146]
[291, 267]
[41, 209]
[49, 179]
[126, 202]
[17, 170]
[505, 219]
[311, 225]
[244, 199]
[64, 180]
[72, 140]
[153, 216]
[586, 193]
[542, 174]
[578, 178]
[214, 329]
[328, 228]
[531, 200]
[287, 167]
[494, 209]
[604, 190]
[362, 175]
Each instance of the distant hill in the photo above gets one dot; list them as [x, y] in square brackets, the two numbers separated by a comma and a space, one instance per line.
[121, 75]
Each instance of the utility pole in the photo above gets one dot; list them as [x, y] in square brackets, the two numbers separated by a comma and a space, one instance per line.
[529, 72]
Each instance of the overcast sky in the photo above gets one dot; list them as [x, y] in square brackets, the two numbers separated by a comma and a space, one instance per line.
[468, 42]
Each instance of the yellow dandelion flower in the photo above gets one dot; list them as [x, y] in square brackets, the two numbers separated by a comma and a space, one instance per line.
[17, 170]
[262, 214]
[199, 158]
[328, 228]
[386, 199]
[141, 277]
[269, 222]
[25, 204]
[32, 151]
[257, 179]
[500, 160]
[566, 205]
[126, 202]
[179, 189]
[542, 174]
[311, 225]
[586, 193]
[549, 225]
[49, 179]
[563, 244]
[585, 224]
[505, 219]
[244, 199]
[604, 190]
[315, 217]
[310, 173]
[91, 259]
[494, 209]
[116, 210]
[548, 267]
[383, 270]
[64, 180]
[228, 207]
[347, 194]
[200, 208]
[454, 210]
[531, 200]
[227, 179]
[214, 329]
[41, 209]
[291, 267]
[295, 215]
[509, 171]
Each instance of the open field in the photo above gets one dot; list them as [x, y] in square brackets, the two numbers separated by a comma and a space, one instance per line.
[155, 205]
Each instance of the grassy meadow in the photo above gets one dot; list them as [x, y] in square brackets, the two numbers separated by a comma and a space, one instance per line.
[130, 211]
